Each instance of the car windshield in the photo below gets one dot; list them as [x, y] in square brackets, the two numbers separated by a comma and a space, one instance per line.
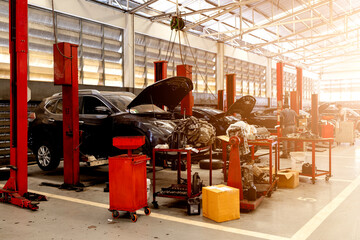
[122, 101]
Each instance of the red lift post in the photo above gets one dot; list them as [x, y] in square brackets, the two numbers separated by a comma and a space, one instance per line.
[160, 70]
[15, 190]
[66, 74]
[188, 102]
[230, 89]
[280, 90]
[221, 99]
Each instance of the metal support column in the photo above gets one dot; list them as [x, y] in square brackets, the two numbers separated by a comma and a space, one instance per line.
[66, 74]
[230, 89]
[314, 114]
[220, 100]
[299, 85]
[15, 190]
[188, 102]
[294, 101]
[160, 70]
[279, 92]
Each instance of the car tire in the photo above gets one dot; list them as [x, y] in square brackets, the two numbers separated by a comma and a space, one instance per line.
[46, 157]
[205, 164]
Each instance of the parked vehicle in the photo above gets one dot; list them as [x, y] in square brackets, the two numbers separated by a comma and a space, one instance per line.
[331, 113]
[104, 115]
[267, 118]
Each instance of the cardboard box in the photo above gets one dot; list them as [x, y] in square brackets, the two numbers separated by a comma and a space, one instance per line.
[221, 203]
[288, 179]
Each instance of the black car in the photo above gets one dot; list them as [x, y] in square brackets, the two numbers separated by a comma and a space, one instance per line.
[104, 115]
[267, 118]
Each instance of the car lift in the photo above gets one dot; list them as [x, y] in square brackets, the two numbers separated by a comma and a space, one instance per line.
[15, 190]
[66, 74]
[280, 88]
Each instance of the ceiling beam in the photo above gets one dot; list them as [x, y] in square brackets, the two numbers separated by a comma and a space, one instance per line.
[282, 18]
[305, 30]
[319, 41]
[167, 15]
[134, 10]
[263, 26]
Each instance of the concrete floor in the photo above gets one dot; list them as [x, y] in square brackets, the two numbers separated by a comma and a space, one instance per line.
[325, 210]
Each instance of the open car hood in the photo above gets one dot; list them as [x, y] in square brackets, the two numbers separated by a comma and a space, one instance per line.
[243, 106]
[167, 92]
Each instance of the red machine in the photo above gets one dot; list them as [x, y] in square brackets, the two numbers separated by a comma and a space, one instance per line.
[66, 74]
[15, 190]
[127, 178]
[235, 178]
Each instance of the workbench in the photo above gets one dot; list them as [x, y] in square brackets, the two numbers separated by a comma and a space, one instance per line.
[318, 172]
[178, 194]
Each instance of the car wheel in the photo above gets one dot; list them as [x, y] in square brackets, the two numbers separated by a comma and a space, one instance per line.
[46, 157]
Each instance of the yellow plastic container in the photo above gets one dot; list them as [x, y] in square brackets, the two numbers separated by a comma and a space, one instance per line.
[221, 203]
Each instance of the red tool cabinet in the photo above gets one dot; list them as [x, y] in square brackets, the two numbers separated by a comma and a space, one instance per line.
[127, 179]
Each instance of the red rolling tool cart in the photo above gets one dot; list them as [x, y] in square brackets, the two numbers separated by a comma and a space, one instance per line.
[127, 178]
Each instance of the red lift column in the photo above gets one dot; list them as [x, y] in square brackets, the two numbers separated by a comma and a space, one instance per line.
[66, 74]
[188, 102]
[221, 99]
[160, 70]
[230, 89]
[314, 114]
[279, 92]
[15, 190]
[299, 85]
[294, 101]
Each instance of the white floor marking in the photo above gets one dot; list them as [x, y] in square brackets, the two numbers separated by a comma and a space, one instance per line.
[319, 218]
[303, 233]
[340, 180]
[171, 218]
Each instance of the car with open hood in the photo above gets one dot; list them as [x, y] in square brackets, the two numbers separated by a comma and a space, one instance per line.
[104, 115]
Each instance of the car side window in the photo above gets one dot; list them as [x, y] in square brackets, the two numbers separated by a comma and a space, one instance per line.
[90, 103]
[59, 107]
[50, 106]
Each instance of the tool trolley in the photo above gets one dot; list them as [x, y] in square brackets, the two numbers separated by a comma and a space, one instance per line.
[127, 179]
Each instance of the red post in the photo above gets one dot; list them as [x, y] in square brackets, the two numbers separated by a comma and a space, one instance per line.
[221, 99]
[294, 101]
[66, 74]
[279, 91]
[18, 28]
[230, 89]
[188, 102]
[160, 70]
[314, 113]
[299, 85]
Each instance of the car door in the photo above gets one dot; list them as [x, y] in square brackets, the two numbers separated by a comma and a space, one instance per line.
[96, 126]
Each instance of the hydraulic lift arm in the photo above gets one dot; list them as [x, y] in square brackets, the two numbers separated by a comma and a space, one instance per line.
[15, 190]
